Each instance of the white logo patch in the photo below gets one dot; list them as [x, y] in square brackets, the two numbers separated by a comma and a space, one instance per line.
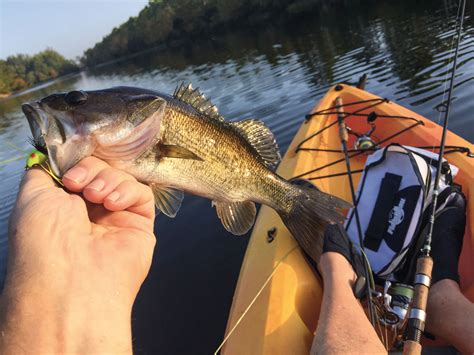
[396, 216]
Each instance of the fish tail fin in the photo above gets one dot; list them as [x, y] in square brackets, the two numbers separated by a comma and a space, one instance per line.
[310, 211]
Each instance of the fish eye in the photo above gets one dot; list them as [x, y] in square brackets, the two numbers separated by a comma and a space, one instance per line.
[75, 98]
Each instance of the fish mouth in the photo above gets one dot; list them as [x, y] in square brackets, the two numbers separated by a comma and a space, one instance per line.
[38, 121]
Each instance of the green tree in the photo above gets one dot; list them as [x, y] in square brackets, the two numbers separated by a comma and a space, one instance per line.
[21, 71]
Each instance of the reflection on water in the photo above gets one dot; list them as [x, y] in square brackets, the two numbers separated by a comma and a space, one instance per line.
[275, 75]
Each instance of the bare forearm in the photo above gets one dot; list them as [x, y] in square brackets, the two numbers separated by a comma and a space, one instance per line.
[335, 334]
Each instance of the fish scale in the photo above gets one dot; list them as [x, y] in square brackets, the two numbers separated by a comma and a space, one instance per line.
[229, 155]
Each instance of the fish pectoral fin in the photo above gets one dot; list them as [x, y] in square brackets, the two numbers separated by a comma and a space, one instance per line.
[236, 217]
[167, 199]
[175, 151]
[262, 139]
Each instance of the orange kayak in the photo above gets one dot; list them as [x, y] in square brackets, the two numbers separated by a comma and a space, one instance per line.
[278, 297]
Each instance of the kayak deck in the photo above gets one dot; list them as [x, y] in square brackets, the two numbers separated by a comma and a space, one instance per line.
[278, 296]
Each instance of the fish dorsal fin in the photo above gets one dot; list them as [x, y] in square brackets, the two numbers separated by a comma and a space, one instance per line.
[262, 139]
[167, 199]
[194, 97]
[236, 217]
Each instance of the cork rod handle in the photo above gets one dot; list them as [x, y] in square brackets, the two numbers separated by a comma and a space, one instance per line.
[416, 320]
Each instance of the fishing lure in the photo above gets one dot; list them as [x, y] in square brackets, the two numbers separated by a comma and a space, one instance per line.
[37, 158]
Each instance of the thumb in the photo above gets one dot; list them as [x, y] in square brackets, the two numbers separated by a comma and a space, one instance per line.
[35, 181]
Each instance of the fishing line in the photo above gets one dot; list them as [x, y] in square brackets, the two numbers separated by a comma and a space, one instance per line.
[451, 57]
[459, 24]
[416, 320]
[14, 146]
[375, 305]
[7, 161]
[254, 299]
[344, 138]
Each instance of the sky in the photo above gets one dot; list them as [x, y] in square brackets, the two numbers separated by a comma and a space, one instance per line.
[68, 26]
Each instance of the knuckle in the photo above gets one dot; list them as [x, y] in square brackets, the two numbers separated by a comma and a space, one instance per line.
[92, 165]
[91, 196]
[90, 160]
[148, 193]
[151, 240]
[110, 173]
[127, 187]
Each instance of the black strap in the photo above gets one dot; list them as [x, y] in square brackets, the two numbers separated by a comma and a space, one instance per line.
[378, 221]
[401, 217]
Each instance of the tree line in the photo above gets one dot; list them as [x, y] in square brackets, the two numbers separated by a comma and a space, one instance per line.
[163, 21]
[21, 71]
[159, 22]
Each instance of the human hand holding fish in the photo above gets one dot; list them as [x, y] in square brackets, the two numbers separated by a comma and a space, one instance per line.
[80, 256]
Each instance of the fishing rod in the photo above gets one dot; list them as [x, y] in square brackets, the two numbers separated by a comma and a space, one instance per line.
[424, 265]
[343, 135]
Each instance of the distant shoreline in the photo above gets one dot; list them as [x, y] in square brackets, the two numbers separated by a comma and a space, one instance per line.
[39, 85]
[21, 71]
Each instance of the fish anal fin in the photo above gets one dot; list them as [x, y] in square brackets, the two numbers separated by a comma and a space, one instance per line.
[176, 151]
[167, 199]
[194, 97]
[262, 139]
[236, 217]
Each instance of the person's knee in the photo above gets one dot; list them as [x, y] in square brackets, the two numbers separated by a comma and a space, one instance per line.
[449, 315]
[442, 293]
[444, 289]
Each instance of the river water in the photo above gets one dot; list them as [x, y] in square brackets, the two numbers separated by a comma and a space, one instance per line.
[277, 75]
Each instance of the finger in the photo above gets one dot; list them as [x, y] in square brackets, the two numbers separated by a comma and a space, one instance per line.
[104, 183]
[83, 173]
[132, 196]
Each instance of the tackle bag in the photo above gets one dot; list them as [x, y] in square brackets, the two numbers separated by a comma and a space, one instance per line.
[393, 201]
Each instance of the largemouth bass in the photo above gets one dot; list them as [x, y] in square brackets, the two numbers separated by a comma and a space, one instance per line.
[180, 143]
